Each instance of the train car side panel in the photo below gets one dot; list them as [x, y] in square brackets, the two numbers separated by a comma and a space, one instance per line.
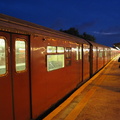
[55, 74]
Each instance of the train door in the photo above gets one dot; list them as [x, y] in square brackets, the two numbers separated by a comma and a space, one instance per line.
[14, 77]
[78, 62]
[94, 60]
[20, 76]
[86, 62]
[6, 107]
[100, 57]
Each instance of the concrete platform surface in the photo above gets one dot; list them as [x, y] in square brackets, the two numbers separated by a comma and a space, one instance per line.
[97, 99]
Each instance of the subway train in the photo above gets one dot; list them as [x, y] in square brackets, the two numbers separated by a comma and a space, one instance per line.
[40, 66]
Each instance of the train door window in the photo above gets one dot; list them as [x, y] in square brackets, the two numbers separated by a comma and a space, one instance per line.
[100, 53]
[20, 55]
[80, 51]
[105, 52]
[68, 56]
[77, 53]
[3, 64]
[55, 58]
[94, 51]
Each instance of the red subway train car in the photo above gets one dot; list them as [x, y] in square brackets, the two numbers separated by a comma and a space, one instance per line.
[40, 66]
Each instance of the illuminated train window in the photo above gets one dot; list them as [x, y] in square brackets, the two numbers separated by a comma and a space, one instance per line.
[55, 62]
[105, 51]
[20, 55]
[80, 50]
[55, 58]
[60, 49]
[3, 64]
[77, 53]
[100, 53]
[51, 49]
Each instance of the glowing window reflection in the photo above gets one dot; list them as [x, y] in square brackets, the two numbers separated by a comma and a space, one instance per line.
[20, 55]
[2, 57]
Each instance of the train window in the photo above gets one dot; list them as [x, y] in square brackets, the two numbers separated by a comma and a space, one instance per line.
[55, 62]
[20, 55]
[68, 56]
[2, 56]
[60, 49]
[51, 49]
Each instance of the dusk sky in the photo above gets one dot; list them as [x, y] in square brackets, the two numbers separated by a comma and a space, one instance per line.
[100, 18]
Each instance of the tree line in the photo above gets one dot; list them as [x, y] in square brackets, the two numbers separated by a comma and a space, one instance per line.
[75, 32]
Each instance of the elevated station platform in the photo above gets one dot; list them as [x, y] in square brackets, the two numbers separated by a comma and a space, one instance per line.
[97, 99]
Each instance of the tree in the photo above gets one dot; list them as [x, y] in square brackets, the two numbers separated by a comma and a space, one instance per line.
[74, 31]
[71, 31]
[88, 37]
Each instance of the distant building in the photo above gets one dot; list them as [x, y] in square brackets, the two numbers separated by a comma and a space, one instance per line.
[117, 45]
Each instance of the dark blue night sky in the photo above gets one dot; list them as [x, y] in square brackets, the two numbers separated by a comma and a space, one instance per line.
[98, 18]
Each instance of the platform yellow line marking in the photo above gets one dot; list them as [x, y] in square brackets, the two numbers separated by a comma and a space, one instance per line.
[79, 107]
[65, 103]
[69, 100]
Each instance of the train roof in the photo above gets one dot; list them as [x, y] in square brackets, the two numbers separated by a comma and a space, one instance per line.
[97, 45]
[15, 25]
